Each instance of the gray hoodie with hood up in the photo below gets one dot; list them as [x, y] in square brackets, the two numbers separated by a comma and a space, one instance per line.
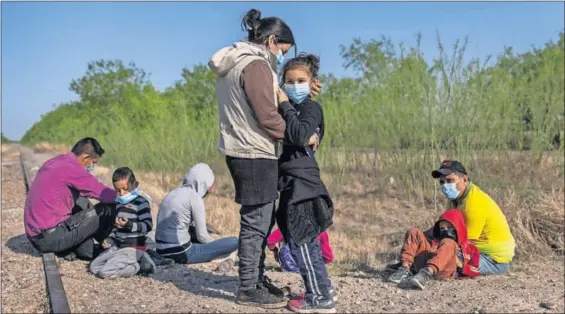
[184, 207]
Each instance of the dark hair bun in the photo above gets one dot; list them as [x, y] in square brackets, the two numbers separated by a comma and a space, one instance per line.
[250, 22]
[314, 60]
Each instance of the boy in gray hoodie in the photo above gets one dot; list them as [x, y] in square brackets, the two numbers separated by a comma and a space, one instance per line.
[182, 209]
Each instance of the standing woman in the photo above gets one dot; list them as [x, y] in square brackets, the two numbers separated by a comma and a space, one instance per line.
[251, 134]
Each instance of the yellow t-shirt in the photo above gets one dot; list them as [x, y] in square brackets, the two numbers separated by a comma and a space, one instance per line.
[487, 227]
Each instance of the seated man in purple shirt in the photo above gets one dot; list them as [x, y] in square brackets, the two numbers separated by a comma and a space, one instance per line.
[58, 216]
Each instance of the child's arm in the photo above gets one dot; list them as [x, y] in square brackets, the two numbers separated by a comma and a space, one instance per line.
[145, 220]
[299, 129]
[275, 238]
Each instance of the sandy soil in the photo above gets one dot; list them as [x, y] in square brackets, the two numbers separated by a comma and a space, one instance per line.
[197, 288]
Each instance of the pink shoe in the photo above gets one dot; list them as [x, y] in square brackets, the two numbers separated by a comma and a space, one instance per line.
[304, 306]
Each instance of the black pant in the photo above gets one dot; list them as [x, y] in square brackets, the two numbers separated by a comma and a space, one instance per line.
[257, 221]
[77, 233]
[309, 259]
[255, 180]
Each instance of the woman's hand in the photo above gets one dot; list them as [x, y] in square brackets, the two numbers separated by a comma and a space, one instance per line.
[281, 96]
[314, 141]
[316, 88]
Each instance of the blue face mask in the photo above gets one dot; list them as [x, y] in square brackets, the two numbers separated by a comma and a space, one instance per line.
[280, 60]
[89, 169]
[449, 190]
[124, 199]
[297, 92]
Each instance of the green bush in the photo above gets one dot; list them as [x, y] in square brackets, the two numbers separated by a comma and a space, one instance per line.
[396, 102]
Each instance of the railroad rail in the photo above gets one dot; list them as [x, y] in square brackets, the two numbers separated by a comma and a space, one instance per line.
[56, 294]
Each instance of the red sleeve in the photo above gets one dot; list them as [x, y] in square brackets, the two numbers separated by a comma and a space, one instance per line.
[327, 253]
[275, 237]
[472, 266]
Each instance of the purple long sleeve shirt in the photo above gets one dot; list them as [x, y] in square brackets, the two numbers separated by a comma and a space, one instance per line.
[50, 200]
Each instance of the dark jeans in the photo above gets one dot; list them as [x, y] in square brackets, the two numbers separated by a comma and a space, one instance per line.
[312, 269]
[77, 234]
[257, 221]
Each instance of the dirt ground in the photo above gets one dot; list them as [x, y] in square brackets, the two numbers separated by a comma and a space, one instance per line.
[197, 288]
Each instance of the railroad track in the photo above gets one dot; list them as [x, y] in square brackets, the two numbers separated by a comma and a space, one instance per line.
[56, 294]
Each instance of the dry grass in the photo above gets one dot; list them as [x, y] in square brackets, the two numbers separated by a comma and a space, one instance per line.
[45, 147]
[374, 205]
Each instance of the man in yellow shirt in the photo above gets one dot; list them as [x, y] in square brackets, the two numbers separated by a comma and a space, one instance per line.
[487, 227]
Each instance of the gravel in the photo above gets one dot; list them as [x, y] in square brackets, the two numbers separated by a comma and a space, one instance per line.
[198, 289]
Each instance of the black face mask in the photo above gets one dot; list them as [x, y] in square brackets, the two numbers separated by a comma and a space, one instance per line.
[449, 233]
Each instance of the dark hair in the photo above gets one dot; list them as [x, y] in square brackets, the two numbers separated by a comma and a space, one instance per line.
[123, 173]
[89, 146]
[303, 60]
[259, 29]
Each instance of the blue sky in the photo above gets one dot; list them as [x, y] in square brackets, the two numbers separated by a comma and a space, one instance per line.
[46, 45]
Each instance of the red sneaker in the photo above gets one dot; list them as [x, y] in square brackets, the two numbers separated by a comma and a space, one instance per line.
[304, 306]
[302, 295]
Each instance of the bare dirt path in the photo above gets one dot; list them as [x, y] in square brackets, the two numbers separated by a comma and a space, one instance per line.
[197, 288]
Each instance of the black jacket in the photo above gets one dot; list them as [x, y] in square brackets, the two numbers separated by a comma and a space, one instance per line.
[305, 207]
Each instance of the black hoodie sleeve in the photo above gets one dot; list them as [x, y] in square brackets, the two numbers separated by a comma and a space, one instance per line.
[299, 128]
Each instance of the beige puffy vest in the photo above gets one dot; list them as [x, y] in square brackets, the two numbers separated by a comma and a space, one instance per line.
[240, 133]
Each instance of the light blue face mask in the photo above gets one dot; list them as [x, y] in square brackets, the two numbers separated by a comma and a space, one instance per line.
[280, 60]
[130, 196]
[297, 92]
[89, 169]
[449, 190]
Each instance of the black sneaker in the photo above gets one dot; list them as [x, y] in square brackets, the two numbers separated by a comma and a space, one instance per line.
[69, 257]
[304, 306]
[393, 266]
[274, 290]
[421, 279]
[146, 266]
[261, 298]
[399, 275]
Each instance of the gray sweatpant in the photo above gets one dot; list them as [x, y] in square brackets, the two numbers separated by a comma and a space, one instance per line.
[256, 224]
[115, 262]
